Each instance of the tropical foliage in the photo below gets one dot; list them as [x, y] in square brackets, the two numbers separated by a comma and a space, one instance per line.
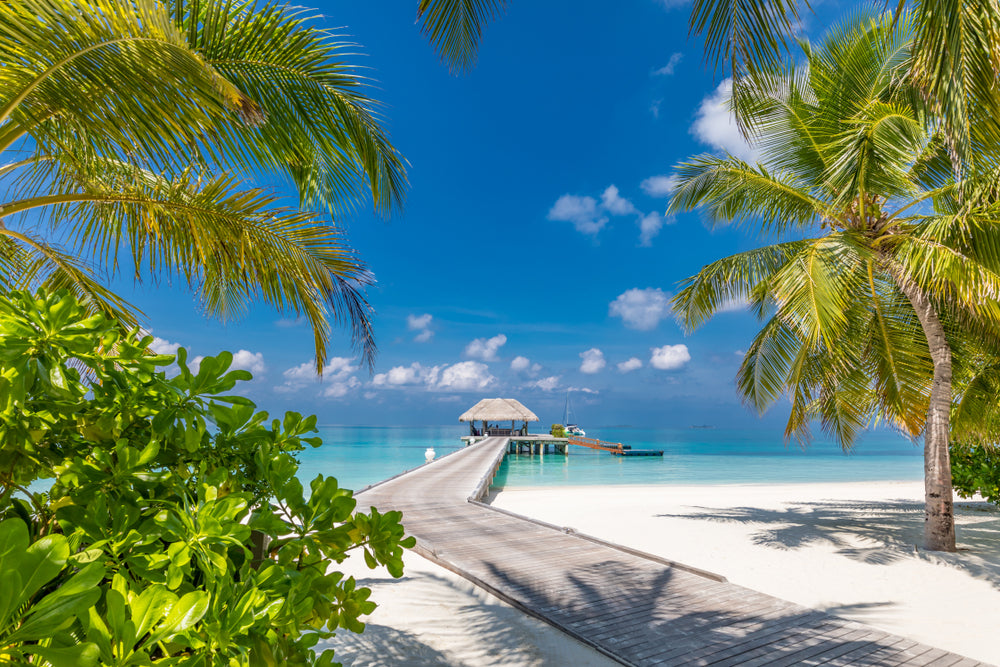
[124, 124]
[976, 470]
[955, 53]
[884, 263]
[173, 529]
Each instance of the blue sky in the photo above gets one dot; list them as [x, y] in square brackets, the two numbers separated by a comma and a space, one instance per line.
[533, 254]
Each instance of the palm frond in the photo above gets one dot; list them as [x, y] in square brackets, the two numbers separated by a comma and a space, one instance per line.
[454, 27]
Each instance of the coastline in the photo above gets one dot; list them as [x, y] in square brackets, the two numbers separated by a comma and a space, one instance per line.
[849, 548]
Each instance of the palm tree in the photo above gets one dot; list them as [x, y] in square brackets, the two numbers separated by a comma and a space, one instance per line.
[124, 122]
[885, 260]
[955, 56]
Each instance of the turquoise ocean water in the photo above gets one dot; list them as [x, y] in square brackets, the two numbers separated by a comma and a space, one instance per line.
[361, 455]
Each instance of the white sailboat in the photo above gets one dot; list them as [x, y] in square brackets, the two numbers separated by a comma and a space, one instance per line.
[571, 429]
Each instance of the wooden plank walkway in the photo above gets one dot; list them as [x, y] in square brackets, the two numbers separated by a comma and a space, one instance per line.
[633, 607]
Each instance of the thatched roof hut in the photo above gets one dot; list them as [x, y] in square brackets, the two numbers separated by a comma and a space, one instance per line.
[498, 410]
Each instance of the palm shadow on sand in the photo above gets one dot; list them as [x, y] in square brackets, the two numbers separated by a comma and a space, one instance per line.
[889, 531]
[487, 625]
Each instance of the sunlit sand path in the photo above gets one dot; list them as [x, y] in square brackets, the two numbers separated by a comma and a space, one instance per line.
[635, 608]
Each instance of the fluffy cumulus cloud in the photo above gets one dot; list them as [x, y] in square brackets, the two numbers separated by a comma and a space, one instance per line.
[659, 186]
[485, 348]
[614, 203]
[163, 346]
[422, 325]
[649, 226]
[336, 371]
[339, 389]
[249, 361]
[546, 384]
[715, 124]
[520, 364]
[669, 357]
[668, 69]
[641, 309]
[593, 361]
[581, 211]
[465, 376]
[630, 365]
[402, 375]
[587, 214]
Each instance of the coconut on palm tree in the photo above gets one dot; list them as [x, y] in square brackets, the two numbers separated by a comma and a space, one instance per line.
[884, 259]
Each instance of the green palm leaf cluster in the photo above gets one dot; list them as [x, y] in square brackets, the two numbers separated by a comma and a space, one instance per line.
[887, 263]
[955, 51]
[124, 125]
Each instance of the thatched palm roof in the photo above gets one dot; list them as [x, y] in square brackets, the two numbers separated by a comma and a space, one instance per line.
[498, 410]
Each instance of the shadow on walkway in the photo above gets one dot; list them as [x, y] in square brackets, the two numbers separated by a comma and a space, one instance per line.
[679, 627]
[484, 634]
[894, 529]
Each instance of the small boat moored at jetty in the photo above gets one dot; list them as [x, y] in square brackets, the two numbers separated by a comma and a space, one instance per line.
[571, 428]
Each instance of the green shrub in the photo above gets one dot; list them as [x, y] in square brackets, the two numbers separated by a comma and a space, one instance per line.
[174, 530]
[976, 469]
[558, 431]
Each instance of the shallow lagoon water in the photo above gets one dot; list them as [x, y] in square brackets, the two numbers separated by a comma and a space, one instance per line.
[361, 455]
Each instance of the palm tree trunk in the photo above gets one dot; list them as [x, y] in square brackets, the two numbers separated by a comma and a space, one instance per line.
[939, 518]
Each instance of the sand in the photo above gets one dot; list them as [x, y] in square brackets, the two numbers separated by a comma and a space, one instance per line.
[848, 548]
[434, 617]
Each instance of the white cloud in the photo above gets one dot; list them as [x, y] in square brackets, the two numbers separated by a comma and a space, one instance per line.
[400, 375]
[520, 363]
[630, 365]
[162, 346]
[546, 384]
[583, 390]
[659, 186]
[420, 323]
[673, 4]
[732, 306]
[593, 361]
[341, 389]
[465, 376]
[587, 215]
[669, 357]
[336, 370]
[654, 108]
[248, 361]
[668, 69]
[641, 309]
[715, 124]
[649, 227]
[614, 203]
[581, 211]
[485, 348]
[301, 373]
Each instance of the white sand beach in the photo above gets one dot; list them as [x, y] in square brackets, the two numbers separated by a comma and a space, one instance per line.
[435, 618]
[849, 548]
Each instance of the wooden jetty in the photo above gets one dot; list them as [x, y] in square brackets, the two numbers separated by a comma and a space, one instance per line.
[616, 448]
[636, 608]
